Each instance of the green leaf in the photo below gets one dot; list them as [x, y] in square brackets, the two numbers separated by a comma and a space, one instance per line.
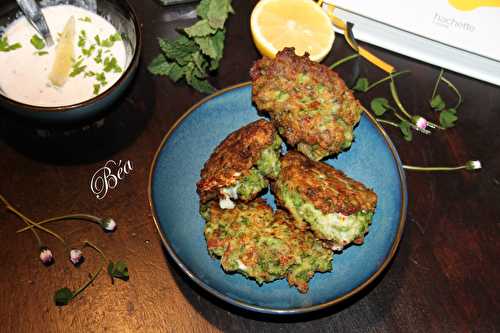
[361, 84]
[405, 127]
[218, 11]
[118, 270]
[202, 86]
[200, 62]
[63, 296]
[452, 110]
[41, 53]
[200, 29]
[212, 46]
[37, 42]
[178, 50]
[447, 119]
[202, 9]
[176, 72]
[437, 103]
[159, 65]
[379, 105]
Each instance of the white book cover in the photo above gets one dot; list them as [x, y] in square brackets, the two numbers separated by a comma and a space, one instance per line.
[461, 35]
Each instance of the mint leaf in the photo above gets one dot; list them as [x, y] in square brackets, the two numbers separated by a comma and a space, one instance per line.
[179, 50]
[37, 42]
[361, 84]
[200, 29]
[379, 105]
[159, 65]
[63, 296]
[201, 85]
[176, 72]
[212, 46]
[437, 103]
[405, 128]
[218, 11]
[447, 118]
[202, 9]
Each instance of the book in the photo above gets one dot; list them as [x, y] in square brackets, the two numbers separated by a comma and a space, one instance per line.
[459, 35]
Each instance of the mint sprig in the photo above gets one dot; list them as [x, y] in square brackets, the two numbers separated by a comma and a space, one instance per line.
[198, 50]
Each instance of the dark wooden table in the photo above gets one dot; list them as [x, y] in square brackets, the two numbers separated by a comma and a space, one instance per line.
[444, 278]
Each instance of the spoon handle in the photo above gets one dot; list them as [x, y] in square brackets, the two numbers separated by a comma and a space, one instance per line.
[35, 16]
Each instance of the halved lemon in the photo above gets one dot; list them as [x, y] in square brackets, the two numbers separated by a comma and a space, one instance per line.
[301, 24]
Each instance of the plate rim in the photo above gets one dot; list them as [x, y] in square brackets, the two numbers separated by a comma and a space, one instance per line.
[264, 309]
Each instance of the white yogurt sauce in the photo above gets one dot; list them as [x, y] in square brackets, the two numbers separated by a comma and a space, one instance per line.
[24, 73]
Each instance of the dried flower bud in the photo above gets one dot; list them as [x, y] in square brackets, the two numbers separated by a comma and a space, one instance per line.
[108, 224]
[46, 255]
[420, 122]
[473, 165]
[75, 256]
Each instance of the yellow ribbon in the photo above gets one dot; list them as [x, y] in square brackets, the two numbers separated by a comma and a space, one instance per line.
[362, 51]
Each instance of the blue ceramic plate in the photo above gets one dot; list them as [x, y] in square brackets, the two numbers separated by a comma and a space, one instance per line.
[175, 170]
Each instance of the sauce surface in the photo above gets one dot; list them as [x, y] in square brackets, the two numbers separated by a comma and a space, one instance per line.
[99, 59]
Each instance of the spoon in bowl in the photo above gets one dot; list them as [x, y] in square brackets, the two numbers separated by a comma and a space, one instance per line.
[35, 16]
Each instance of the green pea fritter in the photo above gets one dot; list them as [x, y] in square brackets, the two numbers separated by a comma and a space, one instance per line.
[337, 208]
[309, 103]
[253, 241]
[240, 165]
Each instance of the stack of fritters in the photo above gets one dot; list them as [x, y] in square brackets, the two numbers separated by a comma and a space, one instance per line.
[314, 111]
[308, 103]
[253, 241]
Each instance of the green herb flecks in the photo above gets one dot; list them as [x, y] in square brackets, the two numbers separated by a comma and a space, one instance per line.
[37, 42]
[108, 42]
[6, 47]
[97, 88]
[98, 58]
[111, 65]
[88, 52]
[41, 53]
[198, 51]
[85, 19]
[82, 38]
[77, 68]
[101, 78]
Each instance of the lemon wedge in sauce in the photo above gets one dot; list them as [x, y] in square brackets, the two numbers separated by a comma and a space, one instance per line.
[64, 55]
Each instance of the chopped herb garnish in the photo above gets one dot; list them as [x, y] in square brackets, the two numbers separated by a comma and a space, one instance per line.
[101, 78]
[111, 64]
[77, 68]
[6, 47]
[89, 74]
[82, 38]
[98, 58]
[41, 53]
[88, 52]
[110, 41]
[37, 42]
[97, 88]
[85, 19]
